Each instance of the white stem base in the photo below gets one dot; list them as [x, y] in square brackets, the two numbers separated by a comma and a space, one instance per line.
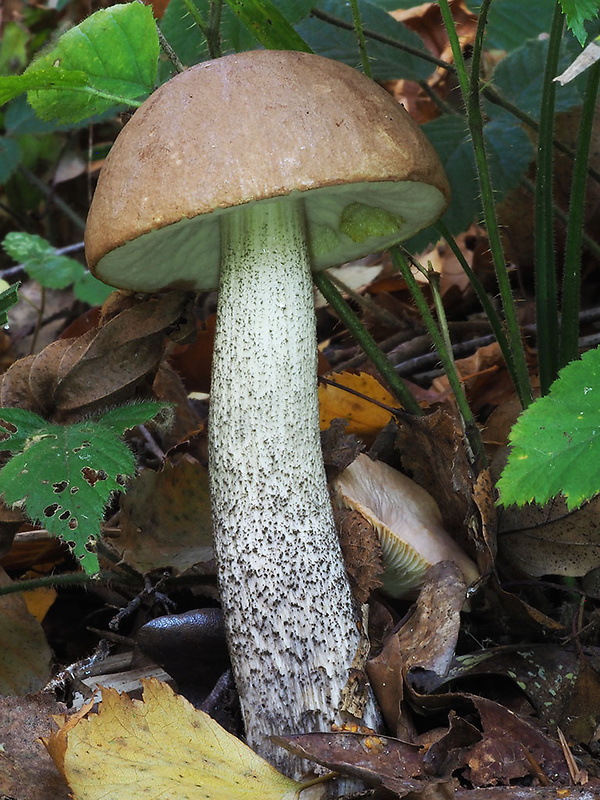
[289, 614]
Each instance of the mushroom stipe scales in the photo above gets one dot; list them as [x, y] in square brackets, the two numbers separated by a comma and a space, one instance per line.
[245, 174]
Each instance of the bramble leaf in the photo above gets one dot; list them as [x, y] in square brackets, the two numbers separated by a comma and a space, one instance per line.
[64, 475]
[556, 441]
[577, 12]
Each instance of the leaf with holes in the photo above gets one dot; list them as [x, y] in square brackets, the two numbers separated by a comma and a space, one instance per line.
[63, 476]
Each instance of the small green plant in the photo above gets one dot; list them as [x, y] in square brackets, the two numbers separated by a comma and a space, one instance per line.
[556, 441]
[53, 270]
[62, 476]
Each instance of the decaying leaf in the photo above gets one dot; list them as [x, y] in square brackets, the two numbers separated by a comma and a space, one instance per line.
[433, 453]
[24, 653]
[426, 641]
[550, 540]
[165, 520]
[103, 367]
[378, 760]
[362, 552]
[26, 770]
[161, 747]
[364, 417]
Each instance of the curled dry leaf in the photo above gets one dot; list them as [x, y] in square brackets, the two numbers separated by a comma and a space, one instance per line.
[161, 747]
[105, 366]
[407, 520]
[427, 640]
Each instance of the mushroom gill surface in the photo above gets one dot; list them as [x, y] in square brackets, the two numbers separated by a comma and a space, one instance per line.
[407, 520]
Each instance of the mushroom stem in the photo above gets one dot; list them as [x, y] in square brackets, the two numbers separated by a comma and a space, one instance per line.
[290, 620]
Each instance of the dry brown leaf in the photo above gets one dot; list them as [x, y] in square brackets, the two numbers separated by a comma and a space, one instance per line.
[103, 367]
[364, 417]
[550, 540]
[433, 453]
[24, 653]
[165, 518]
[26, 770]
[429, 639]
[161, 747]
[362, 552]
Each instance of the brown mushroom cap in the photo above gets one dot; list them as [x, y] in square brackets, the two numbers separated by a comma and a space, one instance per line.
[249, 127]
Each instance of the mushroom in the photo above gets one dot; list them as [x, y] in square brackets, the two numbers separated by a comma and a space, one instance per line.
[407, 520]
[245, 173]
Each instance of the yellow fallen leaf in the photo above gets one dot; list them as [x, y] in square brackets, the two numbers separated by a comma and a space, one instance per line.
[161, 748]
[364, 417]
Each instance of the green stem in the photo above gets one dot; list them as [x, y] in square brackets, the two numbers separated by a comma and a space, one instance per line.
[470, 91]
[67, 579]
[205, 29]
[569, 334]
[169, 52]
[360, 35]
[214, 25]
[366, 341]
[546, 299]
[440, 337]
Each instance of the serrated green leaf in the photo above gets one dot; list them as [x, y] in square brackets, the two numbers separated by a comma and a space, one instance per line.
[556, 441]
[16, 426]
[266, 22]
[124, 418]
[64, 475]
[8, 298]
[116, 50]
[577, 13]
[41, 261]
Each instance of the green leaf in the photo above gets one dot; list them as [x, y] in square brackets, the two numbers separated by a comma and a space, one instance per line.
[577, 12]
[90, 290]
[511, 22]
[8, 298]
[10, 157]
[16, 426]
[124, 418]
[387, 62]
[556, 441]
[43, 78]
[111, 57]
[41, 261]
[266, 22]
[509, 152]
[64, 475]
[519, 78]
